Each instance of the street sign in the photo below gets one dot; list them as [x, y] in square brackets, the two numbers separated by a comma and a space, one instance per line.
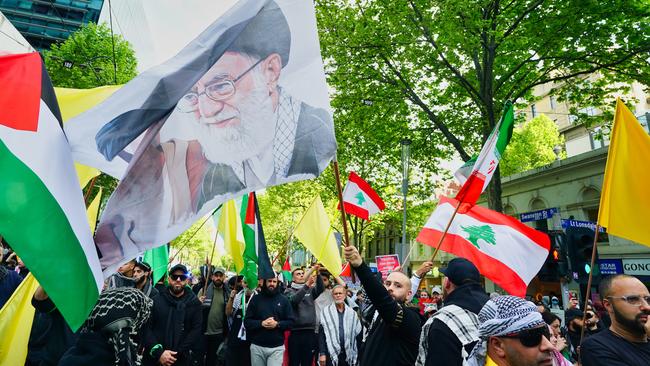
[610, 266]
[538, 215]
[577, 223]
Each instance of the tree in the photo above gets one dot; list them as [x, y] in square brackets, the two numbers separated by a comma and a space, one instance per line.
[439, 72]
[85, 59]
[195, 243]
[531, 146]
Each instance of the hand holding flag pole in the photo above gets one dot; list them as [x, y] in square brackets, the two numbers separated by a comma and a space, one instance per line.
[337, 175]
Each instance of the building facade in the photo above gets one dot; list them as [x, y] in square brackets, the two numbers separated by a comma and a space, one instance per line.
[43, 23]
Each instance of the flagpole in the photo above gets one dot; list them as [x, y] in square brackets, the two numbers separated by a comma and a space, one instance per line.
[90, 188]
[591, 272]
[190, 238]
[208, 265]
[340, 193]
[435, 252]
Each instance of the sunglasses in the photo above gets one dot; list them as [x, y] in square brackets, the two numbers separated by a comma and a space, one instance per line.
[180, 277]
[531, 337]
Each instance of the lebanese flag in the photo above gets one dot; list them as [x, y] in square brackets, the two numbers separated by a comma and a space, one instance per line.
[503, 249]
[360, 199]
[42, 211]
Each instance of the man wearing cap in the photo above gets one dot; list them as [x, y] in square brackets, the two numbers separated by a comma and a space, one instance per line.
[173, 335]
[393, 335]
[143, 281]
[512, 333]
[248, 131]
[449, 335]
[627, 301]
[214, 301]
[573, 325]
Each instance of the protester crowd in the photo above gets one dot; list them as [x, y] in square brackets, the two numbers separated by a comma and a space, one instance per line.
[316, 320]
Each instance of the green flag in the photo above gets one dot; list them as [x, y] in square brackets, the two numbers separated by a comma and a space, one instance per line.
[157, 258]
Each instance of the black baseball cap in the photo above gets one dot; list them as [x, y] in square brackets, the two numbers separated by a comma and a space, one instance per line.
[572, 314]
[143, 266]
[460, 271]
[178, 267]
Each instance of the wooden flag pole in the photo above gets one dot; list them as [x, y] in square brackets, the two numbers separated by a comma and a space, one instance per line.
[435, 252]
[339, 190]
[208, 265]
[591, 272]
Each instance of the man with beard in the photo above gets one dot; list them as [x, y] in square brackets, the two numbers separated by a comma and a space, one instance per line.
[302, 294]
[214, 314]
[238, 350]
[268, 315]
[143, 282]
[627, 301]
[338, 331]
[451, 333]
[173, 335]
[249, 132]
[394, 333]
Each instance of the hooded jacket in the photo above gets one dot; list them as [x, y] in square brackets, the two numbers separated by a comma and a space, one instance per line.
[444, 346]
[175, 324]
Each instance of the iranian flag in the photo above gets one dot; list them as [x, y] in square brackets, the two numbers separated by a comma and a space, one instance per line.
[506, 251]
[256, 256]
[42, 213]
[360, 199]
[476, 173]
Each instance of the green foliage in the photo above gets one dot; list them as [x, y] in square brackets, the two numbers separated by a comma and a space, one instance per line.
[439, 71]
[531, 146]
[195, 244]
[90, 50]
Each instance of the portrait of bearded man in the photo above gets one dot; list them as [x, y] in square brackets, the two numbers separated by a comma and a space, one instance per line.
[234, 131]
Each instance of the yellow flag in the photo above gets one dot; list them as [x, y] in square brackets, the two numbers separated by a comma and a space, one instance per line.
[625, 200]
[315, 233]
[16, 318]
[93, 210]
[75, 101]
[232, 238]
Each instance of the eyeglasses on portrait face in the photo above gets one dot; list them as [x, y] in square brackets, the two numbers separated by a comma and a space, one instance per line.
[634, 300]
[217, 91]
[531, 337]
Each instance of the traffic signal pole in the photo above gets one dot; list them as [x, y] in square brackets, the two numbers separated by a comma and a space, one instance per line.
[587, 292]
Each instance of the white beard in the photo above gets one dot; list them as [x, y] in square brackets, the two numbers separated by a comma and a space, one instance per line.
[253, 134]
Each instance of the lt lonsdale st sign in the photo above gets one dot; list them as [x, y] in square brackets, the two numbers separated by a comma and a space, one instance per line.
[638, 267]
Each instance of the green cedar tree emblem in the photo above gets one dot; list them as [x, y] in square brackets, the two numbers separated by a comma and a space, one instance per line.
[360, 198]
[483, 232]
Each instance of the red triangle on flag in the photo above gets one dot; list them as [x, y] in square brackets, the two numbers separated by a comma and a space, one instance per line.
[20, 77]
[346, 271]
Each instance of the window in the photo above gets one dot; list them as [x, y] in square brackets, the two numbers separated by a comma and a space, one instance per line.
[533, 110]
[553, 102]
[596, 139]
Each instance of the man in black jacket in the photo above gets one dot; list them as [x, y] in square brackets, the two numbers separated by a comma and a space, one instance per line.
[173, 334]
[301, 294]
[268, 315]
[394, 334]
[449, 335]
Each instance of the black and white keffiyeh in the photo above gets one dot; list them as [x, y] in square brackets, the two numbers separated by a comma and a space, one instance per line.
[501, 316]
[118, 314]
[329, 319]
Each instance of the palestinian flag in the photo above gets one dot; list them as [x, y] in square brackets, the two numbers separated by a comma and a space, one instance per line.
[476, 173]
[286, 271]
[42, 213]
[256, 256]
[504, 250]
[360, 199]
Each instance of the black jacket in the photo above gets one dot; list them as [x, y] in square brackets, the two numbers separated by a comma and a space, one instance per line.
[91, 349]
[444, 346]
[51, 336]
[395, 336]
[261, 307]
[207, 304]
[175, 324]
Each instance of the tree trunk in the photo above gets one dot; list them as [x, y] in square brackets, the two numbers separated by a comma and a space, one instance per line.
[494, 192]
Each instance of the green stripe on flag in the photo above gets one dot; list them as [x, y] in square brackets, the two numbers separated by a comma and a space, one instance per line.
[250, 250]
[37, 228]
[505, 129]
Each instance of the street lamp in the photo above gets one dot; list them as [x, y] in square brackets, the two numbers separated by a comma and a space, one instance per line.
[406, 153]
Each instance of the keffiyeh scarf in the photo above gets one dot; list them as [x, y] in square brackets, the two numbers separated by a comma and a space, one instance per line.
[329, 319]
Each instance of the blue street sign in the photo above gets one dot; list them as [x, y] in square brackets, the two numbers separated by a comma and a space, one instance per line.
[610, 266]
[538, 215]
[577, 223]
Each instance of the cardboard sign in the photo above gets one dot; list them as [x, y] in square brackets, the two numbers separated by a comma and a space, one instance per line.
[386, 264]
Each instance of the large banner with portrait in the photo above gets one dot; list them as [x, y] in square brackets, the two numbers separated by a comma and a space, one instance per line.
[242, 107]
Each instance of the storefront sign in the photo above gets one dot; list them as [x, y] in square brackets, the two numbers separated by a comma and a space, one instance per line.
[538, 215]
[610, 266]
[638, 267]
[577, 223]
[386, 264]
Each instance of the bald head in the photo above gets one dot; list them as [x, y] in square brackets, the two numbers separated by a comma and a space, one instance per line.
[398, 286]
